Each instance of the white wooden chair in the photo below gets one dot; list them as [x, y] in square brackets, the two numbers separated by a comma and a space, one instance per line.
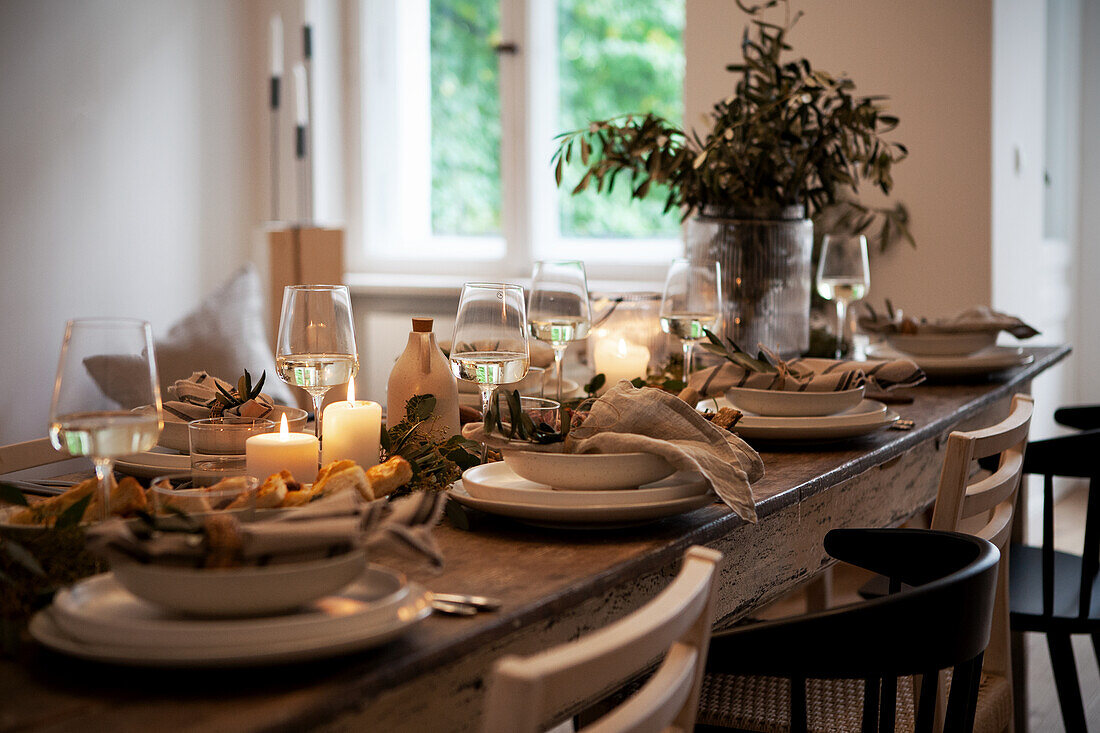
[525, 693]
[31, 454]
[992, 500]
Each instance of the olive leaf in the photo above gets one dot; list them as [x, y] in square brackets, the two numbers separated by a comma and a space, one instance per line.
[73, 514]
[22, 555]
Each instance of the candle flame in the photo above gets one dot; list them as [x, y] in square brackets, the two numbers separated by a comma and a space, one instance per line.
[284, 429]
[351, 393]
[622, 347]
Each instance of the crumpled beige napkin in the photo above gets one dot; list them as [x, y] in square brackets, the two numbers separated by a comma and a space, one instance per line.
[809, 375]
[647, 420]
[980, 319]
[195, 397]
[334, 523]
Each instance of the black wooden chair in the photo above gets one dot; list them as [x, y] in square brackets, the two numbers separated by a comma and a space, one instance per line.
[1053, 592]
[794, 673]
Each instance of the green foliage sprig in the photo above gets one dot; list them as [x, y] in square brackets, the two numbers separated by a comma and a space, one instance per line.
[437, 461]
[789, 135]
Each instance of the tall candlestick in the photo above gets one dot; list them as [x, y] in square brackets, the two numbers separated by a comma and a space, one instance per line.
[301, 95]
[619, 359]
[284, 450]
[352, 430]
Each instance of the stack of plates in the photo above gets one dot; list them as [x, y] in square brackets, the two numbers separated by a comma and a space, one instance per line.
[496, 489]
[988, 361]
[98, 619]
[817, 422]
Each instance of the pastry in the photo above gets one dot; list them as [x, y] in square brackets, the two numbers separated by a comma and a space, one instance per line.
[389, 476]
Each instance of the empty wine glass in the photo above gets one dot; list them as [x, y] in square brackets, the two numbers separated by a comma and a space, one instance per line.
[843, 276]
[316, 346]
[692, 302]
[558, 310]
[489, 345]
[107, 368]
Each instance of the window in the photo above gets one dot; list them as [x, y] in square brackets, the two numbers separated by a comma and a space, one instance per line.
[461, 101]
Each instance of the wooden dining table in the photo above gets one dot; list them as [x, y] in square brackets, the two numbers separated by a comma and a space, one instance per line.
[555, 586]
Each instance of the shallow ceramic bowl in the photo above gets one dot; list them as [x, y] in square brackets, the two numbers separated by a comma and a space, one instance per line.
[247, 591]
[941, 344]
[588, 471]
[174, 434]
[779, 403]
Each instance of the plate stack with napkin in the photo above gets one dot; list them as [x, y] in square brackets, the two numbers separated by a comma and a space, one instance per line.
[627, 428]
[805, 399]
[224, 592]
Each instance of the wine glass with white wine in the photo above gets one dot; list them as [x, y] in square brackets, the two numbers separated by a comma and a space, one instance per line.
[843, 276]
[107, 368]
[316, 347]
[691, 304]
[558, 311]
[489, 345]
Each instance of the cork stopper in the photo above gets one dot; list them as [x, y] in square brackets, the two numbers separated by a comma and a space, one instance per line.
[422, 325]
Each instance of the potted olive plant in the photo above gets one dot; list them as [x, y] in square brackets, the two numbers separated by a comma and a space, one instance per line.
[789, 143]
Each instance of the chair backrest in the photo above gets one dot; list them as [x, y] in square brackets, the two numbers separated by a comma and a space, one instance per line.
[992, 497]
[939, 620]
[1069, 456]
[526, 693]
[33, 453]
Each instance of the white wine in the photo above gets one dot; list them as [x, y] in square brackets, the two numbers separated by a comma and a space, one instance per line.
[688, 326]
[104, 434]
[490, 367]
[559, 329]
[316, 373]
[846, 290]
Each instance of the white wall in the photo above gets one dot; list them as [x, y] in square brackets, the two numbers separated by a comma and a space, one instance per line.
[125, 187]
[1087, 345]
[933, 59]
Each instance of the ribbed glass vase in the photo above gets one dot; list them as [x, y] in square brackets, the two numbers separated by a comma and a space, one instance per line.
[766, 276]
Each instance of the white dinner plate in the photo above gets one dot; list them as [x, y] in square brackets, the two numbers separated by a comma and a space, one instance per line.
[498, 482]
[397, 621]
[990, 361]
[582, 516]
[867, 417]
[153, 463]
[98, 610]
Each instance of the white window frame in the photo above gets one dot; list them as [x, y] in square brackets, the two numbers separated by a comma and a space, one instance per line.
[382, 178]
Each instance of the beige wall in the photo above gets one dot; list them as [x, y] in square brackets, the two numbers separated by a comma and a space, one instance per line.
[933, 59]
[125, 185]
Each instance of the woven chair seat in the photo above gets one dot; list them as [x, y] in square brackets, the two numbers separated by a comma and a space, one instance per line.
[762, 704]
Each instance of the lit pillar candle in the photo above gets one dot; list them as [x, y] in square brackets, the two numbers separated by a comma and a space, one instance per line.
[352, 430]
[273, 452]
[619, 359]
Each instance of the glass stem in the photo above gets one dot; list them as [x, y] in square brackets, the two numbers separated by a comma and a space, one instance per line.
[688, 346]
[104, 469]
[559, 355]
[486, 395]
[841, 317]
[317, 400]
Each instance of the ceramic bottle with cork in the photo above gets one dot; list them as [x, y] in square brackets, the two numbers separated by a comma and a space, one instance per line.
[423, 369]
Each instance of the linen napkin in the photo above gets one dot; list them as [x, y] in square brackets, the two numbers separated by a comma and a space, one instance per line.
[980, 319]
[809, 375]
[194, 398]
[648, 420]
[333, 524]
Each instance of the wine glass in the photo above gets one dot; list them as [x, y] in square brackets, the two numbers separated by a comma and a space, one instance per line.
[107, 367]
[558, 310]
[489, 345]
[316, 346]
[843, 276]
[692, 301]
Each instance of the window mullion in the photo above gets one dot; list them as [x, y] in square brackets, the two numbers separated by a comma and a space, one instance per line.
[514, 112]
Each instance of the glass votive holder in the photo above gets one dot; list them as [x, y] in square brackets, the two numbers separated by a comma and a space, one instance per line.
[542, 411]
[218, 446]
[178, 494]
[626, 340]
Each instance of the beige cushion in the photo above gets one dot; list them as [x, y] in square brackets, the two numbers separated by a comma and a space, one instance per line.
[223, 336]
